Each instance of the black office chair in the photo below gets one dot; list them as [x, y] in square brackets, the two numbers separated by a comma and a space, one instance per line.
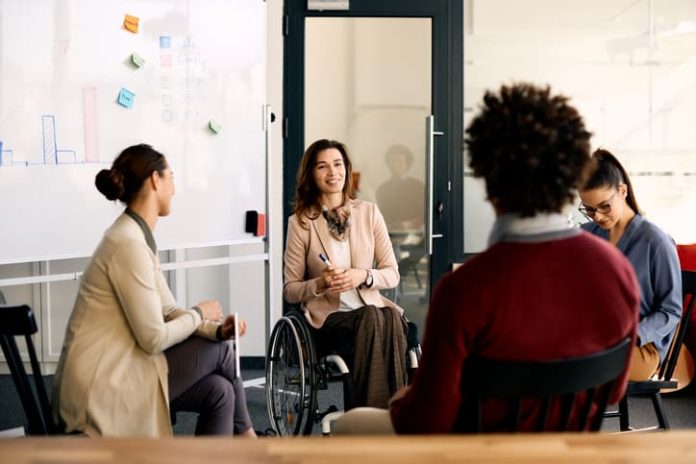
[17, 321]
[568, 387]
[652, 388]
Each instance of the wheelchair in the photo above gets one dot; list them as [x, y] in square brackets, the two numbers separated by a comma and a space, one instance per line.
[295, 373]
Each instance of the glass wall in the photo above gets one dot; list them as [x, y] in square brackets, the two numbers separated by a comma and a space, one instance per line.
[629, 66]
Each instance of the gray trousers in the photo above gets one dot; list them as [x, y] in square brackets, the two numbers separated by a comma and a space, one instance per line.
[201, 379]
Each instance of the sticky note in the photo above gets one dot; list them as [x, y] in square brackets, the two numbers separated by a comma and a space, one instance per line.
[165, 41]
[214, 126]
[137, 60]
[125, 98]
[131, 23]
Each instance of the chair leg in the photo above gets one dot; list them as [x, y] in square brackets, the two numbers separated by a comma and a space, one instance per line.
[418, 280]
[659, 411]
[623, 414]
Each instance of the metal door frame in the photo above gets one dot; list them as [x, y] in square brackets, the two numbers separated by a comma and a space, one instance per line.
[447, 106]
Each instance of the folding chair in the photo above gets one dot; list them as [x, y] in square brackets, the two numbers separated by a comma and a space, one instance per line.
[568, 394]
[663, 379]
[19, 321]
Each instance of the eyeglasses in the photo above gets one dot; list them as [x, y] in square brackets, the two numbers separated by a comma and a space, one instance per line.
[604, 208]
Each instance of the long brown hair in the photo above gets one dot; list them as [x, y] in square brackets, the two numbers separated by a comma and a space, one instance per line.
[306, 191]
[610, 173]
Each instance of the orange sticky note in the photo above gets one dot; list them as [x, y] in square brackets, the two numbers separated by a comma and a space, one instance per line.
[131, 23]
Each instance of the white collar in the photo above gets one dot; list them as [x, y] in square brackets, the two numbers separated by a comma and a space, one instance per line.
[508, 227]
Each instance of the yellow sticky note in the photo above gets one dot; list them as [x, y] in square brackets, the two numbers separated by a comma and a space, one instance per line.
[131, 23]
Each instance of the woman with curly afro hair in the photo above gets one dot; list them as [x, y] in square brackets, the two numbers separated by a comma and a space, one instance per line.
[542, 290]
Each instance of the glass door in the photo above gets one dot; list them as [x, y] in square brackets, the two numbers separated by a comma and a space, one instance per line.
[368, 84]
[384, 77]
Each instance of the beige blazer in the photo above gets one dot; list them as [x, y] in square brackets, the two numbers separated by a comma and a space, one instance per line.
[370, 248]
[111, 378]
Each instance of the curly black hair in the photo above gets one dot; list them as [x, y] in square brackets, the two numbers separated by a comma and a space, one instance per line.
[531, 148]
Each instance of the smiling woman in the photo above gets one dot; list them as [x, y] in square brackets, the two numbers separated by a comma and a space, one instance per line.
[339, 292]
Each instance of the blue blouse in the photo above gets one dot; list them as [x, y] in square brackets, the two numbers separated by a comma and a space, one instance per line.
[654, 258]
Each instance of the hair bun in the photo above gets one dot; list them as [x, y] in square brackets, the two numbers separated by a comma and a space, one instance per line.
[110, 184]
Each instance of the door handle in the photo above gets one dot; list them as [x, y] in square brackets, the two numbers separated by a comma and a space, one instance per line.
[430, 134]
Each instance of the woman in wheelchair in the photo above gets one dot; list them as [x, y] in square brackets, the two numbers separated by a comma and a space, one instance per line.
[337, 258]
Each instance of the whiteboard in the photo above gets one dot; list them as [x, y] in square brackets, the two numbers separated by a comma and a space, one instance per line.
[62, 66]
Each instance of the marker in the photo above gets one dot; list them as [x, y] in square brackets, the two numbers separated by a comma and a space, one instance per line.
[323, 257]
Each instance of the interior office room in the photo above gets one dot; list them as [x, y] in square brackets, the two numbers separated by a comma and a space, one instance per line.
[233, 92]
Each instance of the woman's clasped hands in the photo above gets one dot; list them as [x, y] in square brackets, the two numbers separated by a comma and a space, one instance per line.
[338, 279]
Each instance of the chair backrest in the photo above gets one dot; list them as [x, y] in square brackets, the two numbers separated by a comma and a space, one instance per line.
[688, 289]
[565, 392]
[19, 321]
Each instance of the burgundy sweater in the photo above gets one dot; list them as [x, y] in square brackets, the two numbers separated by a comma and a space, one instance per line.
[518, 301]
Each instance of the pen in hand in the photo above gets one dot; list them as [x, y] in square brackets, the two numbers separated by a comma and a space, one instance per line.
[328, 275]
[323, 257]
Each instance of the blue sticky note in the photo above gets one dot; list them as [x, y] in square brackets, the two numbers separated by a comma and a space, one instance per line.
[165, 41]
[125, 98]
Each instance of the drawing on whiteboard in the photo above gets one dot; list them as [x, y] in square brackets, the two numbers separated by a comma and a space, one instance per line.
[6, 156]
[89, 122]
[51, 153]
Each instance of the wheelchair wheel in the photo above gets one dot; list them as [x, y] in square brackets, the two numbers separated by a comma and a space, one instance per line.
[290, 378]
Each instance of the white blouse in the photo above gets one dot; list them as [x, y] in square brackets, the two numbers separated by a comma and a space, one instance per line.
[350, 300]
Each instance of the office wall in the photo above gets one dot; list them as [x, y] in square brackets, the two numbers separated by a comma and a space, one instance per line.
[628, 67]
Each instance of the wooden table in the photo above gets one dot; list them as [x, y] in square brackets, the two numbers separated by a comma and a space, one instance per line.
[666, 447]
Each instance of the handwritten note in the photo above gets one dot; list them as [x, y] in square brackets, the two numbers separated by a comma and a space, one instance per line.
[125, 98]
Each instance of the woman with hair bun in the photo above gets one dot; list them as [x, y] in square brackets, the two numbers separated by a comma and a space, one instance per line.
[130, 354]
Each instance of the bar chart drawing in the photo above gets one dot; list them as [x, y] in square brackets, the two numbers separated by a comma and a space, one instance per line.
[7, 157]
[51, 153]
[89, 121]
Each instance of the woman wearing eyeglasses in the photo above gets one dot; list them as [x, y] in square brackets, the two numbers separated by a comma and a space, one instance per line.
[609, 202]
